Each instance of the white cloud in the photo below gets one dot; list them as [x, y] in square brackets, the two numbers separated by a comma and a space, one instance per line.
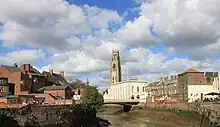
[31, 56]
[51, 24]
[80, 35]
[185, 24]
[77, 62]
[136, 32]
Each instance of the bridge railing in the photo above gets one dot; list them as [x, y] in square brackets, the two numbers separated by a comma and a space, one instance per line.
[116, 100]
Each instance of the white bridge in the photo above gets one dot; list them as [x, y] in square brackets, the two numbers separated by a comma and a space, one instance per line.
[127, 104]
[121, 101]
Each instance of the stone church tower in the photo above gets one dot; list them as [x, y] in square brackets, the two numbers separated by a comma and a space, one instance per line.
[115, 68]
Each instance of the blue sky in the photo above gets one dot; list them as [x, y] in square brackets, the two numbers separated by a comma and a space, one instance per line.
[77, 37]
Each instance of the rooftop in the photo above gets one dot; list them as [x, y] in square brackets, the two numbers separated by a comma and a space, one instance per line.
[55, 78]
[190, 70]
[12, 68]
[54, 87]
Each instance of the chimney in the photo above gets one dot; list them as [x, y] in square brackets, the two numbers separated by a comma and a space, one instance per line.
[51, 71]
[62, 73]
[16, 65]
[26, 67]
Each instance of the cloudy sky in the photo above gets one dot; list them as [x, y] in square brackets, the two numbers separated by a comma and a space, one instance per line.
[155, 37]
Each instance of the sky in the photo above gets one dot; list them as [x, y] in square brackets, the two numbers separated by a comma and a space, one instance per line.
[155, 37]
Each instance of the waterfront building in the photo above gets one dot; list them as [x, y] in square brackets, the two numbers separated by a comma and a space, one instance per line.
[165, 88]
[215, 78]
[193, 85]
[123, 90]
[126, 90]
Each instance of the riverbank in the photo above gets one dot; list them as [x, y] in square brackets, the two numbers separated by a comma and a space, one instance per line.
[158, 117]
[165, 117]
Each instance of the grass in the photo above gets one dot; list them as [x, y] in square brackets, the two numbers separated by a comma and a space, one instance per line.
[176, 111]
[171, 110]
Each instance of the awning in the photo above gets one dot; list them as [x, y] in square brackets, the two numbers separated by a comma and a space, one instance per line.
[213, 93]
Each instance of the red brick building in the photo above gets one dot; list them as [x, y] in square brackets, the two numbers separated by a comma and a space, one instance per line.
[55, 79]
[190, 77]
[60, 92]
[4, 87]
[26, 79]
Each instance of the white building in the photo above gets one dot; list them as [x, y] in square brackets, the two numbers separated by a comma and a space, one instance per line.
[126, 90]
[197, 92]
[216, 81]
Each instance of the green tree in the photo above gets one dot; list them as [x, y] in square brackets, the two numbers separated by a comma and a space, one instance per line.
[92, 98]
[77, 84]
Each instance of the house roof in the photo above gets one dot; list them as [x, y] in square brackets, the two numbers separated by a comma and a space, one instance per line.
[12, 68]
[54, 87]
[55, 78]
[191, 70]
[211, 74]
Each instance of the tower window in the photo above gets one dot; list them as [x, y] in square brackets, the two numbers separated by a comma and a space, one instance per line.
[113, 66]
[138, 89]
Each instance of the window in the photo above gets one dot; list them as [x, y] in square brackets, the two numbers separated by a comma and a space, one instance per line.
[1, 89]
[138, 89]
[132, 89]
[113, 80]
[143, 89]
[1, 81]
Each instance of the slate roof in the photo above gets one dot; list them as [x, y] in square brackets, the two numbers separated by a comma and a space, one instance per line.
[55, 78]
[211, 74]
[54, 87]
[12, 68]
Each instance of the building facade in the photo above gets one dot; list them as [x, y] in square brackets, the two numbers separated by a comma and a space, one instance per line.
[4, 87]
[166, 87]
[193, 85]
[215, 78]
[25, 78]
[126, 90]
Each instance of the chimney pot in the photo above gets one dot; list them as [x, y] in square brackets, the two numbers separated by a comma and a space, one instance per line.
[62, 73]
[26, 67]
[51, 71]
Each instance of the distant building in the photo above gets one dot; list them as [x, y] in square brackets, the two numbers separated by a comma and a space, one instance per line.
[123, 90]
[115, 68]
[166, 87]
[193, 85]
[214, 77]
[131, 89]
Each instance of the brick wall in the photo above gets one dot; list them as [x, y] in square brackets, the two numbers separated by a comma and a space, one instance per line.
[56, 92]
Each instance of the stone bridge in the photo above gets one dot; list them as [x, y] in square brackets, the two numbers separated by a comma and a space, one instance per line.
[127, 104]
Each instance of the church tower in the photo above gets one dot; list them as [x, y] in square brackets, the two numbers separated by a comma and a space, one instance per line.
[115, 68]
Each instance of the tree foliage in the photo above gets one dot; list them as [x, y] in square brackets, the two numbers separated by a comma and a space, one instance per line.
[92, 98]
[18, 118]
[77, 84]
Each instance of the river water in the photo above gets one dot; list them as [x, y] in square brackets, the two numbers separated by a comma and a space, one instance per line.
[123, 119]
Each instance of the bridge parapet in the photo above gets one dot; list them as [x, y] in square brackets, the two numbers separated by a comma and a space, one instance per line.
[121, 101]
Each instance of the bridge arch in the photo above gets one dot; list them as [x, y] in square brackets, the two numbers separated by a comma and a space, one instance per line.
[127, 104]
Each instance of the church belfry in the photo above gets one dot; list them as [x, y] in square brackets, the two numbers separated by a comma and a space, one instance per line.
[115, 67]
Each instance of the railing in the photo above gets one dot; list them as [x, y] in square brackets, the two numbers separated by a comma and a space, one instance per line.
[115, 101]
